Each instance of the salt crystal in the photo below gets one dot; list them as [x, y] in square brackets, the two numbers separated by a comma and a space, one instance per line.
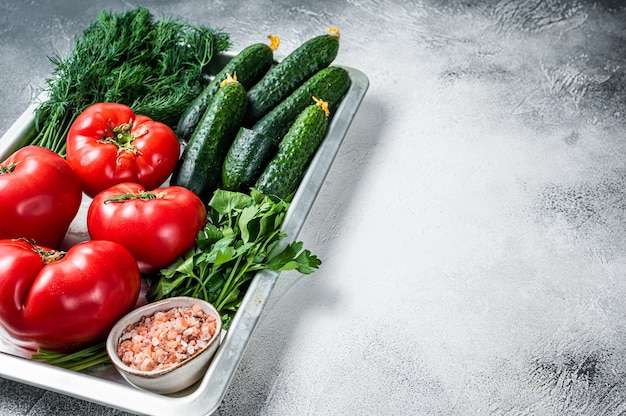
[187, 330]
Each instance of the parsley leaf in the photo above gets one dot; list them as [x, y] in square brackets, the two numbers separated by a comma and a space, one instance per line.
[243, 236]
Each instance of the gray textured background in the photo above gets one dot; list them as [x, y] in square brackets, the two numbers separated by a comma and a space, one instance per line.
[473, 226]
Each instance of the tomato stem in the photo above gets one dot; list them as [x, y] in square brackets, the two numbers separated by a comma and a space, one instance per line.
[49, 256]
[8, 168]
[121, 137]
[145, 195]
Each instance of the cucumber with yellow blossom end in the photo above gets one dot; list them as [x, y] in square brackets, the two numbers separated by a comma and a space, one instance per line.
[200, 167]
[311, 56]
[283, 174]
[250, 65]
[329, 84]
[253, 148]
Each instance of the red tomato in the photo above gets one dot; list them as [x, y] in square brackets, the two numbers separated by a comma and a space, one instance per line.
[156, 226]
[65, 300]
[40, 195]
[108, 144]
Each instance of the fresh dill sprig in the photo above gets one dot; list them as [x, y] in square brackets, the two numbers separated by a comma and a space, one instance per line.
[155, 66]
[80, 360]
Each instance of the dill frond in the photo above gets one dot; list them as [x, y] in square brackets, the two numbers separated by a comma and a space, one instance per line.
[155, 66]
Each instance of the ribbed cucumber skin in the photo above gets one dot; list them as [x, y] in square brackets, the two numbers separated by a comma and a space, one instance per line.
[244, 160]
[200, 167]
[250, 152]
[250, 65]
[311, 56]
[283, 173]
[329, 84]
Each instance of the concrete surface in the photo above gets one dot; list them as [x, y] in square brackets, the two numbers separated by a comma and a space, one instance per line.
[472, 228]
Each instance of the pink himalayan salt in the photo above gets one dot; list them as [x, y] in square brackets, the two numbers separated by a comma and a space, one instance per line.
[166, 338]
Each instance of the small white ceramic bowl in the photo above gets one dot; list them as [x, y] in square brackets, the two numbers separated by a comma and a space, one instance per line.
[177, 377]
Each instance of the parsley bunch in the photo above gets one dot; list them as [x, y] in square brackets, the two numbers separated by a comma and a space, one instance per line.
[242, 237]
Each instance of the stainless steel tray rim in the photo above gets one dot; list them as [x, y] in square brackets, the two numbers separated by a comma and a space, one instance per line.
[205, 397]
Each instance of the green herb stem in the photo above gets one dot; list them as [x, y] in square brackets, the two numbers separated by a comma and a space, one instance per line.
[80, 360]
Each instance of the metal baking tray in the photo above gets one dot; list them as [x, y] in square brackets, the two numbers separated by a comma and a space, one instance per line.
[103, 384]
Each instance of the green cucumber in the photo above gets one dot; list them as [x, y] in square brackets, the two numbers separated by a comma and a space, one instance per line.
[200, 167]
[283, 173]
[252, 149]
[245, 158]
[329, 84]
[311, 56]
[249, 65]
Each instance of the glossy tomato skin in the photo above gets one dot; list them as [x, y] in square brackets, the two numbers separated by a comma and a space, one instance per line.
[156, 230]
[40, 195]
[135, 148]
[70, 302]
